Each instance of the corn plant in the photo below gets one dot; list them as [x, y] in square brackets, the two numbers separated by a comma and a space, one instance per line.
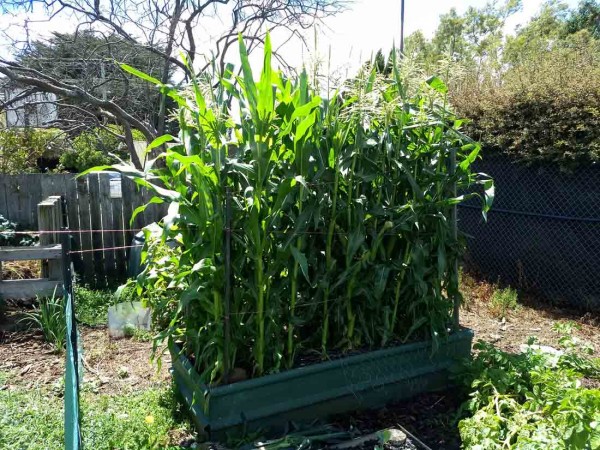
[339, 216]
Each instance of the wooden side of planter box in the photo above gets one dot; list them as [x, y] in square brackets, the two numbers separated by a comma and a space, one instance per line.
[356, 382]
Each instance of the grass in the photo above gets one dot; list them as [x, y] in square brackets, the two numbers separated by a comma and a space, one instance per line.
[33, 419]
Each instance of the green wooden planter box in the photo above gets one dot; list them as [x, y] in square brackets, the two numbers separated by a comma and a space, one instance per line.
[355, 382]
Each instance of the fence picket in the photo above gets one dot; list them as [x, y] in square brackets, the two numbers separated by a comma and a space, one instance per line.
[85, 237]
[96, 224]
[108, 237]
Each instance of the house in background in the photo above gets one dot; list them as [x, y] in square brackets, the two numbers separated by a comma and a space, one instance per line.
[38, 109]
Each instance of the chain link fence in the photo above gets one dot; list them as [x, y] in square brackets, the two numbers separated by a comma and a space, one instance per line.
[542, 234]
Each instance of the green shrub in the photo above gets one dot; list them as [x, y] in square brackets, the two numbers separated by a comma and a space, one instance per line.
[339, 211]
[9, 237]
[503, 301]
[96, 147]
[545, 108]
[21, 148]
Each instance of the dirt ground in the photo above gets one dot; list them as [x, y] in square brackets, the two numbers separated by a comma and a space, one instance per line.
[533, 317]
[123, 365]
[109, 365]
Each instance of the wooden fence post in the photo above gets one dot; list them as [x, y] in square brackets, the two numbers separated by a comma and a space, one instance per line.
[50, 218]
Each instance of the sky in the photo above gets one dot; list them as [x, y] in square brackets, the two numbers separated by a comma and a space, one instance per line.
[350, 37]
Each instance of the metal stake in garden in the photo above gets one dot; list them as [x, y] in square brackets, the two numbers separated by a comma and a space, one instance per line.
[227, 306]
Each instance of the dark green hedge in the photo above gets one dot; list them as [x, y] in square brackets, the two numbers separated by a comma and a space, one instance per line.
[545, 109]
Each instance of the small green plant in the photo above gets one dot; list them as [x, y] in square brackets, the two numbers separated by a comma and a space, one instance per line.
[50, 318]
[503, 301]
[532, 400]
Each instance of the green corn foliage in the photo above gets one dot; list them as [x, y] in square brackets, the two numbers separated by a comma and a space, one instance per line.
[340, 212]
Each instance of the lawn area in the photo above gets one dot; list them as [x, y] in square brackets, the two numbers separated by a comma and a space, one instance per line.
[32, 418]
[126, 403]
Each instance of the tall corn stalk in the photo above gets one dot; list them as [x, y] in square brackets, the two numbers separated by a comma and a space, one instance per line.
[340, 215]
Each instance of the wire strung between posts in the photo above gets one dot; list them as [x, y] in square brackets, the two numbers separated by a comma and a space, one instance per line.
[105, 249]
[324, 232]
[124, 230]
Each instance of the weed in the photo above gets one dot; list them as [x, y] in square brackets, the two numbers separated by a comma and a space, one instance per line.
[137, 334]
[92, 305]
[50, 318]
[503, 301]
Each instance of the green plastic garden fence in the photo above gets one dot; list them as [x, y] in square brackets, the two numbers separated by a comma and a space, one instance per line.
[72, 362]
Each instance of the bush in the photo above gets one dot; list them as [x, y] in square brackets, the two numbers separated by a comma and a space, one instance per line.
[532, 400]
[9, 237]
[96, 147]
[23, 149]
[545, 108]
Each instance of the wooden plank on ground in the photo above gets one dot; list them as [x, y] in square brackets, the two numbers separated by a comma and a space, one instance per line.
[96, 226]
[85, 237]
[29, 253]
[29, 288]
[108, 236]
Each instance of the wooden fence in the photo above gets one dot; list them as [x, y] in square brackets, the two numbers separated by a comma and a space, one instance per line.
[98, 211]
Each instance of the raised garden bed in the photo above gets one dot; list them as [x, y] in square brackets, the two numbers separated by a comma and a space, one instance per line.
[303, 394]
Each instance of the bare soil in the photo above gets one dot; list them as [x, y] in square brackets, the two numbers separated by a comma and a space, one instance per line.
[533, 317]
[110, 365]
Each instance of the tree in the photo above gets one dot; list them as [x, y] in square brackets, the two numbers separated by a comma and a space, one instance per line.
[90, 61]
[544, 30]
[585, 17]
[165, 28]
[418, 47]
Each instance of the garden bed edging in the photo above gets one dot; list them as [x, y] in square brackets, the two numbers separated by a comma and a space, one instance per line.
[367, 380]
